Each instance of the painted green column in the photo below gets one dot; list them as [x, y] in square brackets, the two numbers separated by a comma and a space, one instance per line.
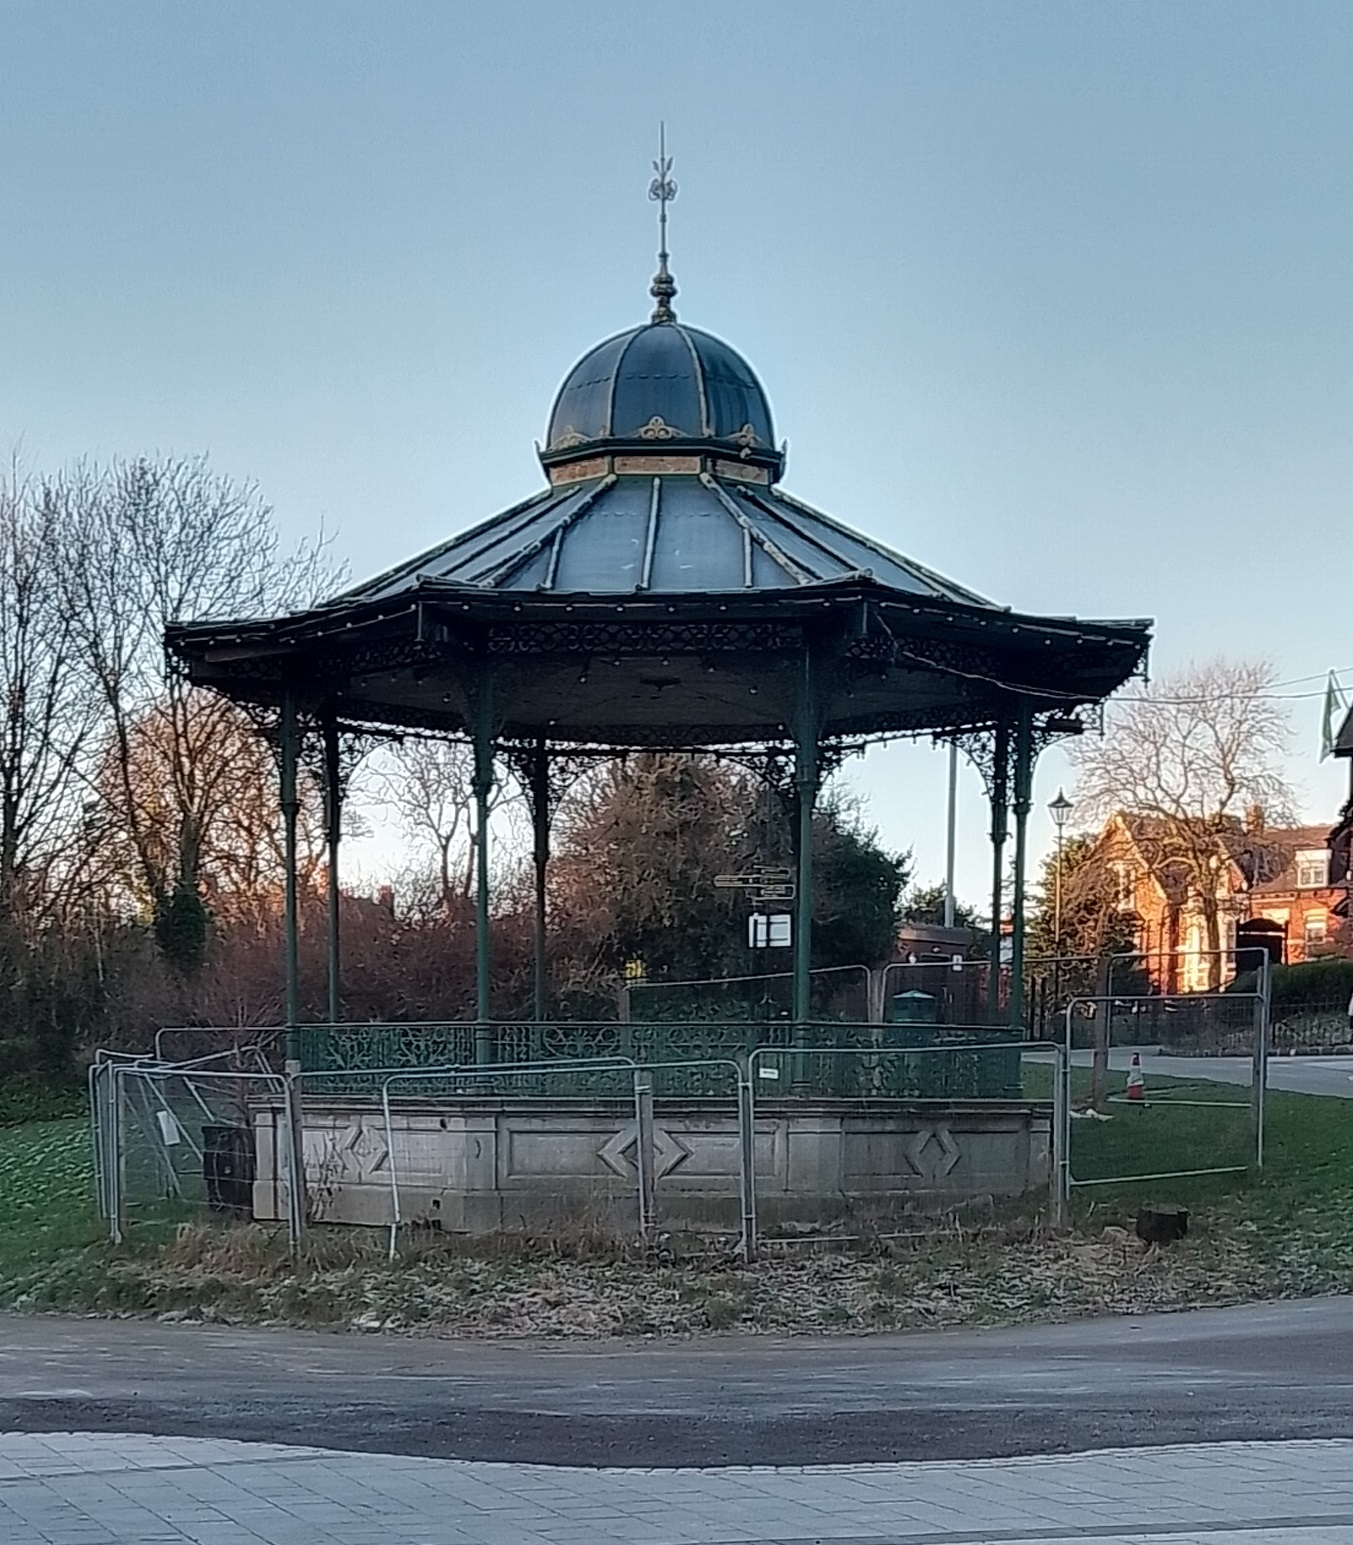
[333, 821]
[1023, 799]
[1000, 798]
[540, 821]
[483, 788]
[806, 775]
[289, 735]
[297, 1204]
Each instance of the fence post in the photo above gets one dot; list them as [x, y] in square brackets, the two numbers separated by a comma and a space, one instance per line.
[118, 1169]
[1057, 1206]
[1102, 1007]
[747, 1156]
[1259, 1079]
[295, 1147]
[644, 1150]
[101, 1084]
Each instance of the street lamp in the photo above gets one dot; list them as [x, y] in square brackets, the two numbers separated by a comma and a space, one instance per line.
[1060, 810]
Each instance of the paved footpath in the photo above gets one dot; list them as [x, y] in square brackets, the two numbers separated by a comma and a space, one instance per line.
[109, 1489]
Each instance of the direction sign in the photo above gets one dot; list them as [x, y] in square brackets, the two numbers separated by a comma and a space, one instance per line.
[785, 891]
[770, 931]
[758, 878]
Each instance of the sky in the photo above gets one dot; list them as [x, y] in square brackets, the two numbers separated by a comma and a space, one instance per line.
[1053, 297]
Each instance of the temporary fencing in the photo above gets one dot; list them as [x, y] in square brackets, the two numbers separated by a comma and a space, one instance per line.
[178, 1142]
[1181, 1121]
[867, 1071]
[184, 1140]
[637, 1145]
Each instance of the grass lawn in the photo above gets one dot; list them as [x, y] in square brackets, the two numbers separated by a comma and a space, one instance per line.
[1285, 1233]
[46, 1195]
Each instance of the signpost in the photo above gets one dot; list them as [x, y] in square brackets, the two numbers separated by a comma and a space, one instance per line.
[764, 884]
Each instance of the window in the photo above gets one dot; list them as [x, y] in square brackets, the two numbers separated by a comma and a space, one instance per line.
[1193, 977]
[1125, 886]
[1313, 932]
[1313, 869]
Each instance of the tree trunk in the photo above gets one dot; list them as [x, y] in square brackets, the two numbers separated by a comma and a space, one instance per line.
[1212, 937]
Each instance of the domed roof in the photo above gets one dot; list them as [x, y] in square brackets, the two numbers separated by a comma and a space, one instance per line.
[662, 381]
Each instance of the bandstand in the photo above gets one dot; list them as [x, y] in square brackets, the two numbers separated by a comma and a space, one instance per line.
[662, 590]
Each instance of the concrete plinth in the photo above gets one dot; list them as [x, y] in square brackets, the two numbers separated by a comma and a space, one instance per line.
[483, 1165]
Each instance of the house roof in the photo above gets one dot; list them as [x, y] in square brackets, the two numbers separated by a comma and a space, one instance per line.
[1268, 859]
[1263, 862]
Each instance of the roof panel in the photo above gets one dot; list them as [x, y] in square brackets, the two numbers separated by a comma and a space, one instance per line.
[734, 396]
[583, 406]
[604, 551]
[857, 553]
[657, 378]
[481, 560]
[699, 545]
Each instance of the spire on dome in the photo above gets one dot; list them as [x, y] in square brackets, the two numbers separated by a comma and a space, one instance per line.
[662, 190]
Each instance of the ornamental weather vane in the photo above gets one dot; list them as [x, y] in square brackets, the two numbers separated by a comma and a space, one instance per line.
[662, 190]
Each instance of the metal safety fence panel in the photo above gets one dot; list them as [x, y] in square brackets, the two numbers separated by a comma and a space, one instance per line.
[641, 1155]
[959, 989]
[1141, 1107]
[177, 1144]
[761, 997]
[1017, 1073]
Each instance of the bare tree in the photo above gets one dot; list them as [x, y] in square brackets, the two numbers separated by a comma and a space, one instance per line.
[47, 708]
[229, 774]
[430, 786]
[1187, 756]
[155, 542]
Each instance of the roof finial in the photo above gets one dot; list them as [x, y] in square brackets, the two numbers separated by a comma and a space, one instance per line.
[662, 190]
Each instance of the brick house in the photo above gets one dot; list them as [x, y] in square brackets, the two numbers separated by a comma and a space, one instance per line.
[1283, 876]
[1290, 881]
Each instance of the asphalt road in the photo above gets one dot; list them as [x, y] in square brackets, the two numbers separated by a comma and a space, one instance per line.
[1265, 1372]
[1296, 1075]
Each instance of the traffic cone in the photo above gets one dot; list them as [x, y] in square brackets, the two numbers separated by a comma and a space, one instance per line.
[1136, 1083]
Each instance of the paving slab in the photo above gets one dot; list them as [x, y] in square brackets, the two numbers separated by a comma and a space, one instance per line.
[127, 1489]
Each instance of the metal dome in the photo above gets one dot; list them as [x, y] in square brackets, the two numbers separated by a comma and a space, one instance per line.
[661, 382]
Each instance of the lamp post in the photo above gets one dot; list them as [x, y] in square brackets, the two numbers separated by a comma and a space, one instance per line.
[1060, 810]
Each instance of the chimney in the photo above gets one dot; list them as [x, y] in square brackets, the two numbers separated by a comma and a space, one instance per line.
[385, 898]
[1254, 820]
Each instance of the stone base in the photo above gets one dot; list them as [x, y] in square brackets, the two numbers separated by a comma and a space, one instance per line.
[487, 1165]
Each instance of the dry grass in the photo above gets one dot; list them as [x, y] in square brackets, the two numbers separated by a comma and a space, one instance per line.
[1019, 1275]
[1290, 1236]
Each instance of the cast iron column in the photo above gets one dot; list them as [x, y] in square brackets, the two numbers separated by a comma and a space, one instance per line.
[333, 820]
[540, 820]
[290, 921]
[1000, 796]
[296, 1201]
[806, 770]
[483, 788]
[1023, 791]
